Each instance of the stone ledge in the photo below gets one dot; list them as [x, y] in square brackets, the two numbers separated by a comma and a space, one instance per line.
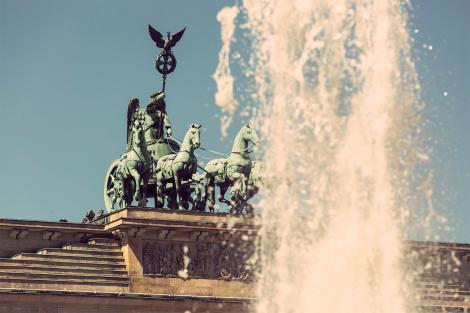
[166, 217]
[439, 245]
[52, 301]
[131, 295]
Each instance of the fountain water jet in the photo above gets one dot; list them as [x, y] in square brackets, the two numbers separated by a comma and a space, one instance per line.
[336, 96]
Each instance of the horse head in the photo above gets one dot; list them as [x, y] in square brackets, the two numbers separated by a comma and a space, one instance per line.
[249, 134]
[137, 134]
[138, 144]
[193, 137]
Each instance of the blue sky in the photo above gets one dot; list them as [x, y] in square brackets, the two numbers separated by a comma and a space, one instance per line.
[68, 70]
[442, 52]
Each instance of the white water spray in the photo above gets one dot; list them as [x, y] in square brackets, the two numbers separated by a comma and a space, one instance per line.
[222, 76]
[335, 90]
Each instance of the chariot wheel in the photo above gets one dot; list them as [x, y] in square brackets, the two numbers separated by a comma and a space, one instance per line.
[113, 191]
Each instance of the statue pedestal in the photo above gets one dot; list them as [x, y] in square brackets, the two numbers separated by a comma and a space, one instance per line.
[144, 260]
[176, 252]
[172, 259]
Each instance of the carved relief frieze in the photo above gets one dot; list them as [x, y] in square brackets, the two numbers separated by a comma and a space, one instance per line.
[206, 260]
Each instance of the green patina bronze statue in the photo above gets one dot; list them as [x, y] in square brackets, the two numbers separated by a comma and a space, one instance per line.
[232, 172]
[145, 144]
[155, 124]
[176, 168]
[157, 165]
[127, 174]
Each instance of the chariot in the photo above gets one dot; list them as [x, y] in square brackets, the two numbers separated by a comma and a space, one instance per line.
[166, 170]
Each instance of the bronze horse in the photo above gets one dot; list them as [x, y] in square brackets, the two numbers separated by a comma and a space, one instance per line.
[124, 177]
[232, 172]
[173, 169]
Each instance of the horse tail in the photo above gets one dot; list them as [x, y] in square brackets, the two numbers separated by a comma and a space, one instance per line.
[209, 186]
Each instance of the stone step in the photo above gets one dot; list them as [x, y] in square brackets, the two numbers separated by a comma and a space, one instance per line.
[63, 277]
[67, 286]
[440, 287]
[446, 292]
[434, 281]
[54, 263]
[115, 246]
[454, 298]
[439, 294]
[439, 291]
[443, 299]
[43, 280]
[69, 258]
[70, 270]
[74, 252]
[90, 247]
[428, 278]
[104, 241]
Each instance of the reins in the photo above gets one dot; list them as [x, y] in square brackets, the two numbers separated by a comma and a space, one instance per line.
[205, 149]
[169, 146]
[211, 151]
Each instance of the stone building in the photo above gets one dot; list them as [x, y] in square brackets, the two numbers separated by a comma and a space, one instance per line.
[144, 261]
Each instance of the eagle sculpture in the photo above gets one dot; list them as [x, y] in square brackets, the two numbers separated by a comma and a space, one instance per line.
[165, 44]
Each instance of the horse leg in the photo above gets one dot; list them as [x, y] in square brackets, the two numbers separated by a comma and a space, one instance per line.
[135, 174]
[242, 196]
[242, 193]
[120, 203]
[210, 192]
[159, 194]
[199, 201]
[172, 203]
[236, 198]
[223, 187]
[171, 198]
[251, 191]
[159, 188]
[143, 199]
[177, 180]
[128, 187]
[185, 195]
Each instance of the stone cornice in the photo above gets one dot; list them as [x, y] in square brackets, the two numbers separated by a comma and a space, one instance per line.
[138, 218]
[142, 218]
[43, 225]
[439, 245]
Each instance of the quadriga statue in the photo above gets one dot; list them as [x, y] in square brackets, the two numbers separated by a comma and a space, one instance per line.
[155, 165]
[233, 171]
